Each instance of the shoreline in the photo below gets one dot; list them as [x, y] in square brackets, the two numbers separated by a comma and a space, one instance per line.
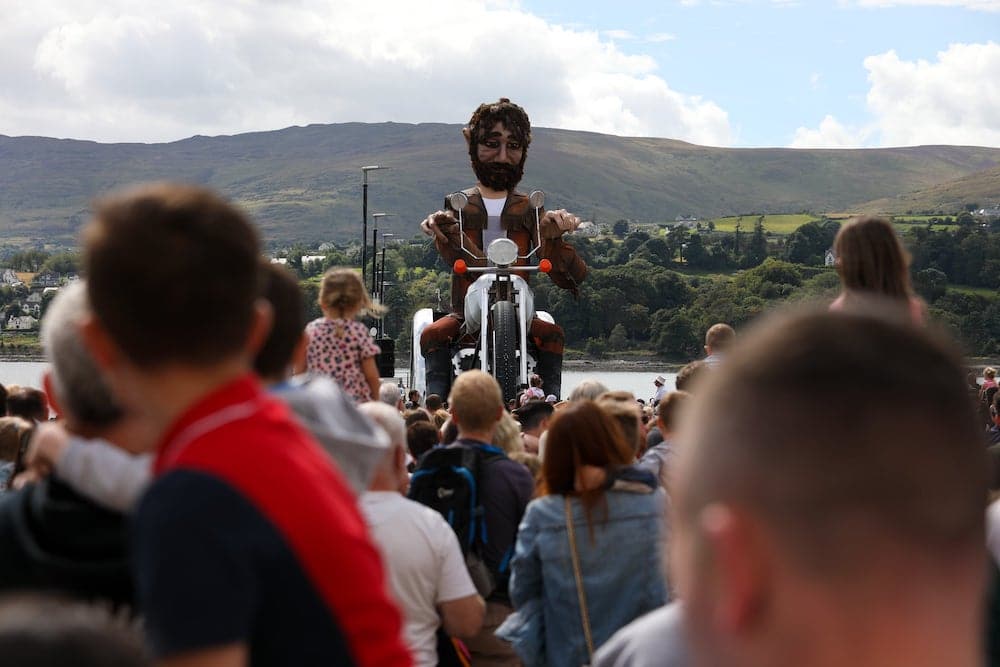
[621, 365]
[575, 365]
[23, 357]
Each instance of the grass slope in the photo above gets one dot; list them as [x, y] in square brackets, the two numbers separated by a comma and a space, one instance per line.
[982, 188]
[304, 183]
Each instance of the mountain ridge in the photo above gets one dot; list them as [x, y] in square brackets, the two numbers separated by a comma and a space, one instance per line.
[303, 183]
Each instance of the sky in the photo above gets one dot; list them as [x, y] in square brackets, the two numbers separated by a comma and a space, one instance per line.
[735, 73]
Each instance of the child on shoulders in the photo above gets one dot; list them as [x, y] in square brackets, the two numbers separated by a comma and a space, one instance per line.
[339, 345]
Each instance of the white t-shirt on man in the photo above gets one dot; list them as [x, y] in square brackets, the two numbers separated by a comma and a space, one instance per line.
[494, 230]
[423, 563]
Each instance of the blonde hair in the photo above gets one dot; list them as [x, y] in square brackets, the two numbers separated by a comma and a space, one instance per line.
[12, 431]
[343, 291]
[476, 401]
[507, 435]
[440, 417]
[989, 373]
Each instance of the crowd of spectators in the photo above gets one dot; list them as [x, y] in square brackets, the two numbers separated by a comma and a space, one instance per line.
[813, 491]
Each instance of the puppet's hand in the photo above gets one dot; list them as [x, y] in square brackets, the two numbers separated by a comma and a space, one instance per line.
[556, 223]
[432, 224]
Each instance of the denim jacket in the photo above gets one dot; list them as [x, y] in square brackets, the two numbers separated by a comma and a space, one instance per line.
[621, 570]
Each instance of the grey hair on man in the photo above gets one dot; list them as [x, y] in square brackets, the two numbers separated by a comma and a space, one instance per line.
[388, 420]
[388, 393]
[588, 390]
[75, 380]
[391, 470]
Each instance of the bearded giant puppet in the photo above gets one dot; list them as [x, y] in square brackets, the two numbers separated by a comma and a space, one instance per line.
[498, 136]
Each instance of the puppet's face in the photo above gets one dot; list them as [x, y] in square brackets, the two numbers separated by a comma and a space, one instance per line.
[498, 158]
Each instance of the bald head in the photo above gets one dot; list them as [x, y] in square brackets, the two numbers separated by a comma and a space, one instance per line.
[841, 433]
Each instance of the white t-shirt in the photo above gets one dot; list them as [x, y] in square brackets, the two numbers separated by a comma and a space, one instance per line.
[423, 564]
[494, 230]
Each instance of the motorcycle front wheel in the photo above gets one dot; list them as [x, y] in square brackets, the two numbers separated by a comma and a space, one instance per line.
[504, 353]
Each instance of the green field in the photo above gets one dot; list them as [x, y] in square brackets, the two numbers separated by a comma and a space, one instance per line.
[783, 224]
[988, 292]
[776, 224]
[907, 226]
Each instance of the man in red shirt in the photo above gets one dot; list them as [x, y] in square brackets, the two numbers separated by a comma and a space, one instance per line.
[247, 547]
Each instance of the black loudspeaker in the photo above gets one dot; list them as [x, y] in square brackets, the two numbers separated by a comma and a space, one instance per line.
[386, 361]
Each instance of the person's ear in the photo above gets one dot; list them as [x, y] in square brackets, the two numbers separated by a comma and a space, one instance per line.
[47, 385]
[467, 133]
[260, 326]
[103, 349]
[743, 568]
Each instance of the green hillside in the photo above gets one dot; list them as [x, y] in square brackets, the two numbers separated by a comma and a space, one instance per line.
[304, 183]
[982, 188]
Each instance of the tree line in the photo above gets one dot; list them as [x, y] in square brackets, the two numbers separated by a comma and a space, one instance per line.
[658, 294]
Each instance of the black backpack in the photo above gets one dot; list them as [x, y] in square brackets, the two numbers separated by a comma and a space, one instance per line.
[449, 480]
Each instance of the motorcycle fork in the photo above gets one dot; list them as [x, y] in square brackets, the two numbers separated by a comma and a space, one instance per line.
[502, 289]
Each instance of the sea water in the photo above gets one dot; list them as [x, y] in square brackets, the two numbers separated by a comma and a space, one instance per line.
[29, 373]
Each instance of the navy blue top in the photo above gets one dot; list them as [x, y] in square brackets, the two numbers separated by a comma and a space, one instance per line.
[507, 489]
[211, 571]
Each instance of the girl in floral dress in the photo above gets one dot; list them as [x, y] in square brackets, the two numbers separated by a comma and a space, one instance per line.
[339, 345]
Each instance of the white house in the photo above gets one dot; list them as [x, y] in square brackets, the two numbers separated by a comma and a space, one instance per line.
[9, 277]
[47, 279]
[22, 323]
[279, 260]
[35, 297]
[830, 259]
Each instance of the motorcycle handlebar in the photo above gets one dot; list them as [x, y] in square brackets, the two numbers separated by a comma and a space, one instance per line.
[460, 266]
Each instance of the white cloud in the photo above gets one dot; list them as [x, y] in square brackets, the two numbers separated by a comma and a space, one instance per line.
[128, 71]
[618, 34]
[830, 134]
[953, 100]
[975, 5]
[659, 37]
[814, 80]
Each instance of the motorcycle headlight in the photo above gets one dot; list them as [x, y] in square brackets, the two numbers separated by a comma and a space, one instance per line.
[502, 252]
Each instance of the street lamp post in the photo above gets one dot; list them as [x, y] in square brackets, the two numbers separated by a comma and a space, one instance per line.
[381, 284]
[375, 218]
[364, 216]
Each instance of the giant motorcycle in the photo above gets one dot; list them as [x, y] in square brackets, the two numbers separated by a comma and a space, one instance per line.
[500, 297]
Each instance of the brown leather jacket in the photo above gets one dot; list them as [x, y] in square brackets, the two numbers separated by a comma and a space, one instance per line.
[518, 220]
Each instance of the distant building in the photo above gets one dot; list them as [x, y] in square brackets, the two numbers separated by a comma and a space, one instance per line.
[47, 279]
[991, 212]
[22, 323]
[279, 260]
[34, 298]
[830, 259]
[587, 229]
[9, 277]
